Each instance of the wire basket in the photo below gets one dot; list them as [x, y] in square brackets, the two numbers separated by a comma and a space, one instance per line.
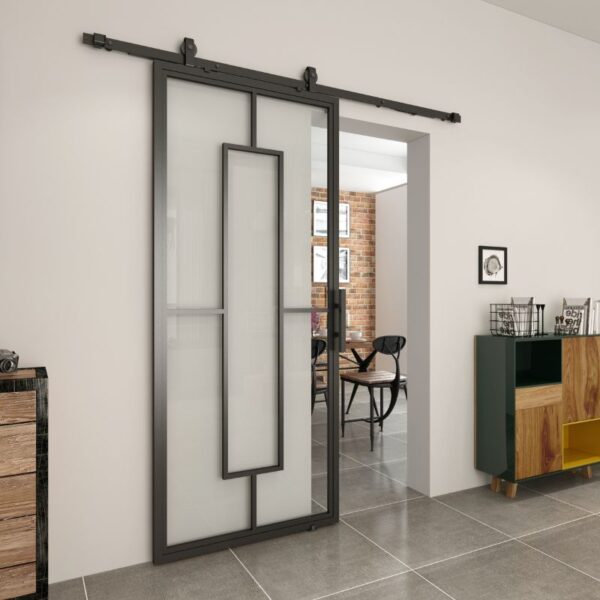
[513, 320]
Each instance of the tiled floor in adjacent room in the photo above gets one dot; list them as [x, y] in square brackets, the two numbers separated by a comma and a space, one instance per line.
[392, 543]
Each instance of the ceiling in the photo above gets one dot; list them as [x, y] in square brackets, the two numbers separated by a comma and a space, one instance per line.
[580, 17]
[367, 164]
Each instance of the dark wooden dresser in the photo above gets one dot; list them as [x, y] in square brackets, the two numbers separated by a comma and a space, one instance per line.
[24, 485]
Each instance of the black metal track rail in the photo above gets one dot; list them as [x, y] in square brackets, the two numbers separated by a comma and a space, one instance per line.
[187, 56]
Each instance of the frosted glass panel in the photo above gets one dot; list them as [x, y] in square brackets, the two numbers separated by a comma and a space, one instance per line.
[289, 126]
[199, 502]
[199, 119]
[252, 309]
[287, 494]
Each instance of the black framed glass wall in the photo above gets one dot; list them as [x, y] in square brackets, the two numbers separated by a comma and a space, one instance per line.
[233, 312]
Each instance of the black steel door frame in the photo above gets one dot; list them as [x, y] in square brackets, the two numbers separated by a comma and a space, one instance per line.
[275, 88]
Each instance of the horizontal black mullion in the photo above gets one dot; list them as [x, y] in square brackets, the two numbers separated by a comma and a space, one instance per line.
[303, 309]
[182, 310]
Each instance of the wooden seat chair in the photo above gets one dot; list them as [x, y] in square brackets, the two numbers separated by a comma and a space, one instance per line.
[390, 345]
[318, 346]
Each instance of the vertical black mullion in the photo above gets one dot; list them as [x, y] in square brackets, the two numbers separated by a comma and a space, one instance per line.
[225, 322]
[159, 122]
[253, 142]
[253, 480]
[280, 316]
[252, 501]
[333, 284]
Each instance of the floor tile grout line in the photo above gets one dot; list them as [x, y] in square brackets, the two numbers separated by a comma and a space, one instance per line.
[549, 528]
[360, 585]
[376, 544]
[410, 569]
[558, 500]
[558, 560]
[442, 560]
[249, 573]
[514, 537]
[460, 512]
[358, 510]
[84, 588]
[520, 541]
[437, 587]
[375, 470]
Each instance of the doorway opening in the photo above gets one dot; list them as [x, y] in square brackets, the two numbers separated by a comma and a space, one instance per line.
[374, 272]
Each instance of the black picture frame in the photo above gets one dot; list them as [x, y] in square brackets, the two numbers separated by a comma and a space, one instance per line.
[483, 277]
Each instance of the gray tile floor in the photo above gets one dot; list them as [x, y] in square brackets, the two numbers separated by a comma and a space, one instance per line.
[393, 543]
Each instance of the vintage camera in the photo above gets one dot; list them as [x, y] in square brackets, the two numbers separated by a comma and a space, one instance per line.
[9, 361]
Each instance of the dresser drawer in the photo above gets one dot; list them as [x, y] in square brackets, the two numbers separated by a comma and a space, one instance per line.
[17, 496]
[17, 407]
[17, 449]
[17, 541]
[17, 581]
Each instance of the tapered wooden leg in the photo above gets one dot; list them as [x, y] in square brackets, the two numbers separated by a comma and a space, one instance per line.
[586, 472]
[496, 484]
[381, 408]
[511, 489]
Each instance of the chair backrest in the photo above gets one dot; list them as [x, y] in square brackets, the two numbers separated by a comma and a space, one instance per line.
[391, 345]
[317, 348]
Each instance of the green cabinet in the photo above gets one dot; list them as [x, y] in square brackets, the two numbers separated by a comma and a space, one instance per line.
[537, 406]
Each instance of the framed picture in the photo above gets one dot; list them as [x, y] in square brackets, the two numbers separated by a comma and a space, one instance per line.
[493, 265]
[320, 219]
[320, 264]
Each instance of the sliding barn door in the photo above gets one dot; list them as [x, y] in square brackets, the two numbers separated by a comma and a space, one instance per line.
[236, 162]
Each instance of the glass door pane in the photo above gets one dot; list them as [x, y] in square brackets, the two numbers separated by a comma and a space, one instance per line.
[295, 129]
[200, 503]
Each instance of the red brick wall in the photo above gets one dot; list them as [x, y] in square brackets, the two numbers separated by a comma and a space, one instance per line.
[360, 292]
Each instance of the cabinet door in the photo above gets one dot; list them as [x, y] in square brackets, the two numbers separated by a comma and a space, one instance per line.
[538, 422]
[581, 378]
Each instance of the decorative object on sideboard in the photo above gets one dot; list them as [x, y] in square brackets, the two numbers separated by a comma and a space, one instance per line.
[540, 307]
[493, 265]
[523, 309]
[513, 320]
[578, 310]
[9, 361]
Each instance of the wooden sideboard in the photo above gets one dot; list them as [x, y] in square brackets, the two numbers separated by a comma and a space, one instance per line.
[24, 485]
[537, 407]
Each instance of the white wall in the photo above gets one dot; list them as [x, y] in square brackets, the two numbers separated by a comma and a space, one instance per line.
[75, 208]
[391, 246]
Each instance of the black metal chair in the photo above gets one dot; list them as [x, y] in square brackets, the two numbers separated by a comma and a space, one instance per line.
[390, 345]
[318, 346]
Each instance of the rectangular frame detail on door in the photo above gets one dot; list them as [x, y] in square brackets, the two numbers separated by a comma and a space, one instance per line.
[270, 87]
[227, 474]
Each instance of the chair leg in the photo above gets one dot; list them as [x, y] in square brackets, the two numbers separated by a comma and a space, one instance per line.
[371, 407]
[343, 407]
[312, 401]
[406, 391]
[381, 408]
[354, 390]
